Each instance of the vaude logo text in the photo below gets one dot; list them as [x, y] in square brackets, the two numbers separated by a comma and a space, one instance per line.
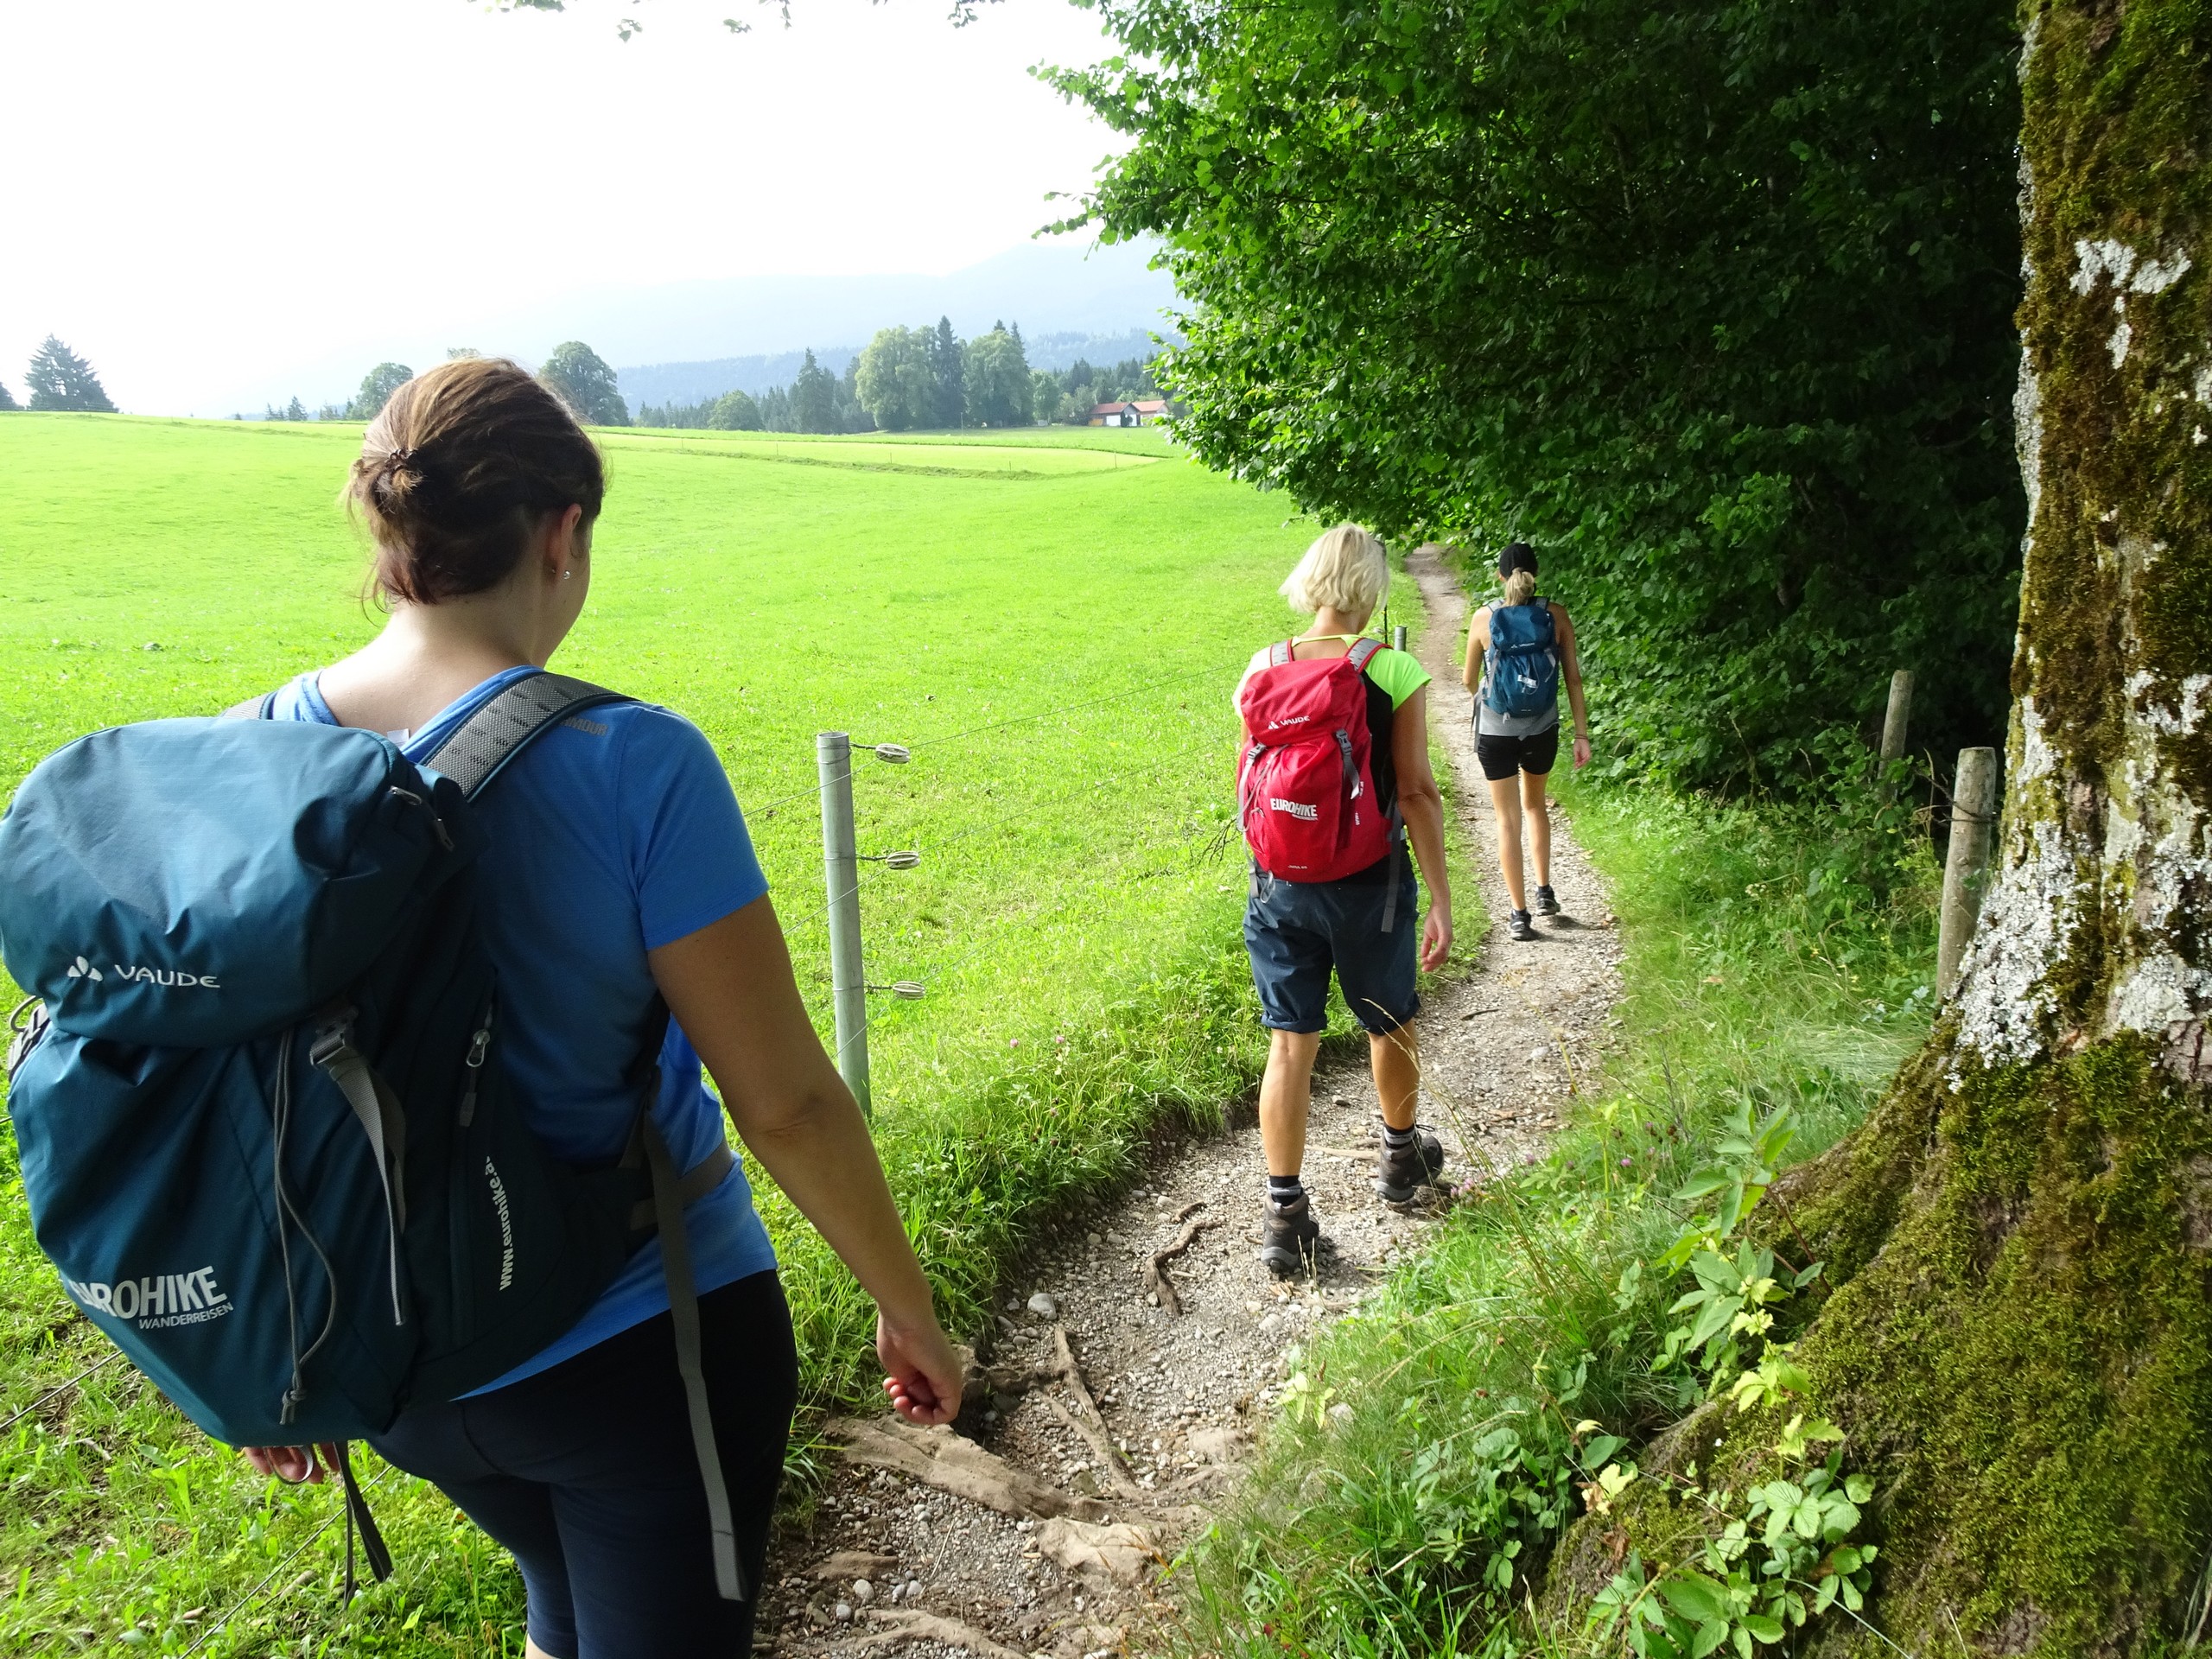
[81, 968]
[164, 1299]
[1296, 809]
[1290, 720]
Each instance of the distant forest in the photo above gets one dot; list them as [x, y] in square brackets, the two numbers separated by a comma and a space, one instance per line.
[906, 379]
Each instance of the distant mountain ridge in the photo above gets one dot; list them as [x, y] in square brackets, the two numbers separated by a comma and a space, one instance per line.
[694, 383]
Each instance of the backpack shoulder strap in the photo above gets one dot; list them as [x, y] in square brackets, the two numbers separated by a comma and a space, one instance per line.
[252, 709]
[1278, 653]
[1363, 653]
[504, 726]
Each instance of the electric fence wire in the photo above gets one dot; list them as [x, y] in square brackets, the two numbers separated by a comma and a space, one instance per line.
[245, 1602]
[774, 801]
[22, 1412]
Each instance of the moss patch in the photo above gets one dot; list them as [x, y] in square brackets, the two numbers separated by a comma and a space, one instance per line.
[2027, 1364]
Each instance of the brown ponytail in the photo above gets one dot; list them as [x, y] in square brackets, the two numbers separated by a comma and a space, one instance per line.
[462, 464]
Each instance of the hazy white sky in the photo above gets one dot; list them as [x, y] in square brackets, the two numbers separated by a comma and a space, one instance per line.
[204, 193]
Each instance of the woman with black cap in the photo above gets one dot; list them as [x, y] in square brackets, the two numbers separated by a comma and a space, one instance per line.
[1516, 652]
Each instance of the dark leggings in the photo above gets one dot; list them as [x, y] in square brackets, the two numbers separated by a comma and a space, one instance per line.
[586, 1472]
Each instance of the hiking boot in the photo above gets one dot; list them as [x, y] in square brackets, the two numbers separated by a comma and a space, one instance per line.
[1547, 902]
[1293, 1237]
[1400, 1172]
[1517, 927]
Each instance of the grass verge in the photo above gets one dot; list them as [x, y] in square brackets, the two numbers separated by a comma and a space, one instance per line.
[1431, 1449]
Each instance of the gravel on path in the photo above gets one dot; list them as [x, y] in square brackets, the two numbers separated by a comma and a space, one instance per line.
[893, 1559]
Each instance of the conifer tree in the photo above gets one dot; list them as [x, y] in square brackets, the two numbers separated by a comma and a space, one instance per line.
[8, 403]
[947, 367]
[60, 380]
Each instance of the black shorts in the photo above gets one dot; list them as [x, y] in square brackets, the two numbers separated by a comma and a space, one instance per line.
[586, 1472]
[1500, 758]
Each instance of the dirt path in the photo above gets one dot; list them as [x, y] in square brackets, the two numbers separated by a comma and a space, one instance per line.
[1107, 1422]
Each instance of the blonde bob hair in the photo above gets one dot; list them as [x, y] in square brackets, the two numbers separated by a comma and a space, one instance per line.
[1345, 570]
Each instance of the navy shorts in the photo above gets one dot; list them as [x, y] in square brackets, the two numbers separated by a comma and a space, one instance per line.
[1297, 932]
[586, 1472]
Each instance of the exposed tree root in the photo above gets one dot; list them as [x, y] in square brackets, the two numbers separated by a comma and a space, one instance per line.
[939, 1458]
[1155, 1271]
[904, 1626]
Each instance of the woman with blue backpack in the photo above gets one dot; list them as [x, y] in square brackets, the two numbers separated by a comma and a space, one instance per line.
[421, 959]
[1334, 786]
[1517, 651]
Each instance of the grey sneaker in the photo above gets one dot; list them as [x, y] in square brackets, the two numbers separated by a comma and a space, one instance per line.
[1293, 1237]
[1400, 1172]
[1517, 927]
[1547, 902]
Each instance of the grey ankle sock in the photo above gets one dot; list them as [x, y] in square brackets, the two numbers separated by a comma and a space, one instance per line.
[1397, 1140]
[1283, 1191]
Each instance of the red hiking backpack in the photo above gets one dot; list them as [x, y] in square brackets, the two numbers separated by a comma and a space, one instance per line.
[1306, 786]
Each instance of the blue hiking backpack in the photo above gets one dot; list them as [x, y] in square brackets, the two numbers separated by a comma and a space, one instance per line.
[264, 1127]
[1521, 670]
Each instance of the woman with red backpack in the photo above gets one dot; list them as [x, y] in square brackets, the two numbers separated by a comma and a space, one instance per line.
[1333, 783]
[1516, 651]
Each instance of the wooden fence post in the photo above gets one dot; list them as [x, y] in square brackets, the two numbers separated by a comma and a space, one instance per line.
[1895, 720]
[1974, 817]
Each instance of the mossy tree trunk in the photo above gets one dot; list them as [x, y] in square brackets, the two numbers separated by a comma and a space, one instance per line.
[2020, 1345]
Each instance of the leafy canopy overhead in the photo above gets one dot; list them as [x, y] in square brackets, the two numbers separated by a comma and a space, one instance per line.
[1710, 302]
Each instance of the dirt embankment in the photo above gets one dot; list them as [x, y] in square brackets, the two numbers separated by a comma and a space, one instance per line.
[1139, 1349]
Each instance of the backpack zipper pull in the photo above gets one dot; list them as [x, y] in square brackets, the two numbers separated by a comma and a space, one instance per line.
[437, 824]
[477, 1047]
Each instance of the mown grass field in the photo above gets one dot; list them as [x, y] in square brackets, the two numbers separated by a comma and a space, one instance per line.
[1053, 620]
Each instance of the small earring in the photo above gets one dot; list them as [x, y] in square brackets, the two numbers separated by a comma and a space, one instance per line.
[565, 574]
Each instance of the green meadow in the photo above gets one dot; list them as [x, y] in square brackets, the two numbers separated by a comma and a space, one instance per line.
[1053, 621]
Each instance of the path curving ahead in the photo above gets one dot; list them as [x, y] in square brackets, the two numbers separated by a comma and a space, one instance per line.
[1105, 1428]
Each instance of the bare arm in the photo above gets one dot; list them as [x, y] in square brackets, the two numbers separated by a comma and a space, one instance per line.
[1470, 673]
[730, 987]
[1423, 803]
[1571, 665]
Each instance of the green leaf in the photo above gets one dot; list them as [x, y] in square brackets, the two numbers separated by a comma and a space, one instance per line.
[1764, 1627]
[1710, 1635]
[1695, 1596]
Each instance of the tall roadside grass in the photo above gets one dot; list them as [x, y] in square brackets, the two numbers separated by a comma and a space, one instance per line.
[1431, 1448]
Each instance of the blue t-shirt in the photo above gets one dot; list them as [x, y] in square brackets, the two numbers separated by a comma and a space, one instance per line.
[613, 834]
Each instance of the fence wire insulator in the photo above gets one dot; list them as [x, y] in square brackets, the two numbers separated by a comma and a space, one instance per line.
[896, 753]
[906, 861]
[908, 990]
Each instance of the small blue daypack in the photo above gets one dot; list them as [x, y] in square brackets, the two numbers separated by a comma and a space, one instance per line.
[263, 1126]
[1522, 674]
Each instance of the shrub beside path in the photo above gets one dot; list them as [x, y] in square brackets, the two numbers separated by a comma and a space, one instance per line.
[1141, 1345]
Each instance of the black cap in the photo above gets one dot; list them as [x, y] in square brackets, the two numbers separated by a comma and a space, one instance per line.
[1518, 555]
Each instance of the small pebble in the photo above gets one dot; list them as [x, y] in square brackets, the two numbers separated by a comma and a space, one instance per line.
[844, 1611]
[913, 1588]
[1340, 1414]
[1044, 1306]
[863, 1592]
[1012, 1305]
[1344, 1102]
[1092, 1238]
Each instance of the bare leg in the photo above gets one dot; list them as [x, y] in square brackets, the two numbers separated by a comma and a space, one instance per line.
[1505, 801]
[1539, 819]
[1396, 1060]
[1286, 1090]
